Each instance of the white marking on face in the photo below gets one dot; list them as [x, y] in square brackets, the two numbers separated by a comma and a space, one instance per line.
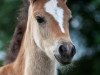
[57, 12]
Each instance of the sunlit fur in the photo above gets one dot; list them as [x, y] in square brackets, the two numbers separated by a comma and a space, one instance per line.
[40, 42]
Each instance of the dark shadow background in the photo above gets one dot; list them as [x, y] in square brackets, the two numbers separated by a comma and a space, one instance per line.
[85, 25]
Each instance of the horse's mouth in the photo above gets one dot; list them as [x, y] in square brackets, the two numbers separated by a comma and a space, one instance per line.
[62, 61]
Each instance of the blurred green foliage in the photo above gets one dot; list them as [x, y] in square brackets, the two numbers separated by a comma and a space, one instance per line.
[88, 12]
[8, 18]
[8, 15]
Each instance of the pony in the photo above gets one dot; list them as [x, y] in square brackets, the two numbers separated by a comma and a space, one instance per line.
[41, 40]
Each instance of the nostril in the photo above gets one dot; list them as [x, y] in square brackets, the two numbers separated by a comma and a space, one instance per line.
[62, 49]
[73, 51]
[67, 50]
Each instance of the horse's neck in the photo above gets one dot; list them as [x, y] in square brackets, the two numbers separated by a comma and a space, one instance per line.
[36, 61]
[30, 61]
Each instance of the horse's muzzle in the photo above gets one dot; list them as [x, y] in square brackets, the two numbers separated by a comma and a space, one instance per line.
[66, 53]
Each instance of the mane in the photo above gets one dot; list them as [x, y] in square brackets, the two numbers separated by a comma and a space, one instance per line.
[16, 41]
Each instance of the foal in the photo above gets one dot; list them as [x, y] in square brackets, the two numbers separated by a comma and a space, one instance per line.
[46, 40]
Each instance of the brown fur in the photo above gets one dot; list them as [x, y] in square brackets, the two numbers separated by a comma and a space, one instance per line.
[15, 44]
[32, 59]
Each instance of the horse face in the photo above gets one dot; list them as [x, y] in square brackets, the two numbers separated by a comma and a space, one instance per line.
[49, 20]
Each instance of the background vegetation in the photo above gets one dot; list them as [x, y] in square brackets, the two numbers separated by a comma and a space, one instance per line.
[85, 32]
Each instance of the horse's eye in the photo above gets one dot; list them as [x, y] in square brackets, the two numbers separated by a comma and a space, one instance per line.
[40, 20]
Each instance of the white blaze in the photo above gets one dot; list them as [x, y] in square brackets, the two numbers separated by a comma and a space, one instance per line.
[57, 12]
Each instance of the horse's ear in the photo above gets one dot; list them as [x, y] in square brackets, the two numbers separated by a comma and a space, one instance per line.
[32, 1]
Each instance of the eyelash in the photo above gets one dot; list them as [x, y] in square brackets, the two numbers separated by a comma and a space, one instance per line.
[40, 20]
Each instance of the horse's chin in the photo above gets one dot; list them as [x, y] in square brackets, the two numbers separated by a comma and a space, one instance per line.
[62, 61]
